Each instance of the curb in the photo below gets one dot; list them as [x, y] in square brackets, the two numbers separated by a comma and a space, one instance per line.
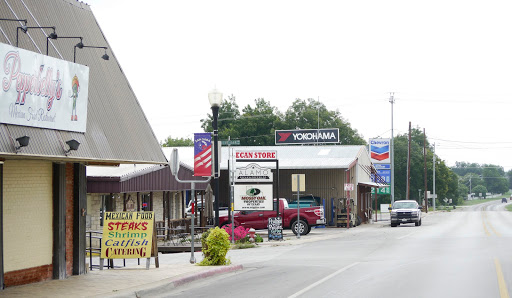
[166, 286]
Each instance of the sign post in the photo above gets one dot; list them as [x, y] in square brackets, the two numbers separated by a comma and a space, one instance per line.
[298, 185]
[128, 235]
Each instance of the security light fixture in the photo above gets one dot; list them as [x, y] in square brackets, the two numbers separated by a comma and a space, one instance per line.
[81, 46]
[78, 45]
[73, 145]
[215, 98]
[25, 28]
[23, 141]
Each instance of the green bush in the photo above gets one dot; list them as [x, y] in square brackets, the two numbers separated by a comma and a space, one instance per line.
[258, 238]
[242, 245]
[216, 248]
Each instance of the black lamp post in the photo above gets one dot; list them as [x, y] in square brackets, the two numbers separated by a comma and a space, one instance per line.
[215, 97]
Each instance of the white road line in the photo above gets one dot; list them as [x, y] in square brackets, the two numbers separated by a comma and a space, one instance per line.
[322, 280]
[406, 235]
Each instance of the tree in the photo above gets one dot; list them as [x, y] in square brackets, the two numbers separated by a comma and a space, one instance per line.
[463, 191]
[228, 116]
[495, 179]
[480, 189]
[509, 175]
[257, 124]
[312, 114]
[446, 179]
[181, 142]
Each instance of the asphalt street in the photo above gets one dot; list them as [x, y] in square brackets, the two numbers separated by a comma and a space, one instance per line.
[461, 253]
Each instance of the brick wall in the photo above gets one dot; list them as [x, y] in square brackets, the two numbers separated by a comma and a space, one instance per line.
[29, 275]
[69, 219]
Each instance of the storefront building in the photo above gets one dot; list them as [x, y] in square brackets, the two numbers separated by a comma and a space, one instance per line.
[56, 118]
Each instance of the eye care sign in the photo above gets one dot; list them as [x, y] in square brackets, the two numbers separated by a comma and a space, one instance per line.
[127, 235]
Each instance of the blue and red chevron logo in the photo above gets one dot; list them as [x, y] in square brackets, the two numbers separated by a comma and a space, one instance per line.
[379, 153]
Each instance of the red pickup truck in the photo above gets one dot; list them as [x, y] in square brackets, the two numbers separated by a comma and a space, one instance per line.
[257, 219]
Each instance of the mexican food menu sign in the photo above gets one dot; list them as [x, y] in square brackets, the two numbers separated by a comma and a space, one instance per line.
[127, 235]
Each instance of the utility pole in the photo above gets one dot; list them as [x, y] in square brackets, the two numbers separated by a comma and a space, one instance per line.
[392, 101]
[409, 163]
[425, 167]
[434, 180]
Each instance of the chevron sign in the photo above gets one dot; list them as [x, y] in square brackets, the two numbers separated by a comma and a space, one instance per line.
[379, 150]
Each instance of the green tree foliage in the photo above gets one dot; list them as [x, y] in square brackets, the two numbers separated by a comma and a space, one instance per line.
[175, 142]
[227, 122]
[492, 177]
[480, 189]
[256, 125]
[311, 114]
[495, 179]
[446, 179]
[463, 168]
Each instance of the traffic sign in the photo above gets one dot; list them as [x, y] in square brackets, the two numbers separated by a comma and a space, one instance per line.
[230, 142]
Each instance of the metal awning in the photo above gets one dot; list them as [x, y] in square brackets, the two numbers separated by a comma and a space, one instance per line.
[373, 184]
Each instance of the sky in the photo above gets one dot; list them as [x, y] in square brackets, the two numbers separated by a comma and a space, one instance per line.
[448, 63]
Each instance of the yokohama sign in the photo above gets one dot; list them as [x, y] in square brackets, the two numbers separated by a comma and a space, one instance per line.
[307, 136]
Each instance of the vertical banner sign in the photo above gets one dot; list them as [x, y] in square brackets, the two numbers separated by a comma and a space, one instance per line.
[127, 235]
[379, 151]
[42, 91]
[275, 228]
[203, 154]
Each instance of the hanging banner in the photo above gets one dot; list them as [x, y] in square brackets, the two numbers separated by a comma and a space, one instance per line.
[203, 154]
[379, 151]
[127, 235]
[42, 91]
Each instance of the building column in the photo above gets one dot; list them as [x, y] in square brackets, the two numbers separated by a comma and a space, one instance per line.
[79, 218]
[59, 221]
[1, 225]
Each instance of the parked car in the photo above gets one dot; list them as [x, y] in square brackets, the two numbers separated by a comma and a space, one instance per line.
[305, 201]
[199, 207]
[309, 217]
[405, 211]
[504, 200]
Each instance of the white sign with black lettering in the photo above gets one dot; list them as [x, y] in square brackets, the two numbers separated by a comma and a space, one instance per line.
[253, 197]
[253, 173]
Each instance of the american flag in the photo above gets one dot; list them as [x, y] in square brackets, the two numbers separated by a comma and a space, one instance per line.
[202, 154]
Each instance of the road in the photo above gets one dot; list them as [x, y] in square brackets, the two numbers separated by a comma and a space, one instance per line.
[463, 253]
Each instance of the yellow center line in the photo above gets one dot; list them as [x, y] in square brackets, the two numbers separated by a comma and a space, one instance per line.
[501, 280]
[484, 219]
[484, 215]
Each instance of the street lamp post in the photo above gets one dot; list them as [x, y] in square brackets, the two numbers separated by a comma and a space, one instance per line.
[215, 98]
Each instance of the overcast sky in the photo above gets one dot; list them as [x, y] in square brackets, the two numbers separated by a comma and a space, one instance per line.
[449, 64]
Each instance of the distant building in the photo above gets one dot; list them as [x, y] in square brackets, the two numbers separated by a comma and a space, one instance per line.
[328, 169]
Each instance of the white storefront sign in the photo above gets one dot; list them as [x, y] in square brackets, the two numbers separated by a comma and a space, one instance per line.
[256, 154]
[253, 197]
[42, 91]
[253, 173]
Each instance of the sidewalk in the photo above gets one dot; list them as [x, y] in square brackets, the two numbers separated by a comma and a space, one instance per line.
[175, 269]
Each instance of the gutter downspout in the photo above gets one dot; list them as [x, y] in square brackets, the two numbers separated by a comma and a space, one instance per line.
[347, 180]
